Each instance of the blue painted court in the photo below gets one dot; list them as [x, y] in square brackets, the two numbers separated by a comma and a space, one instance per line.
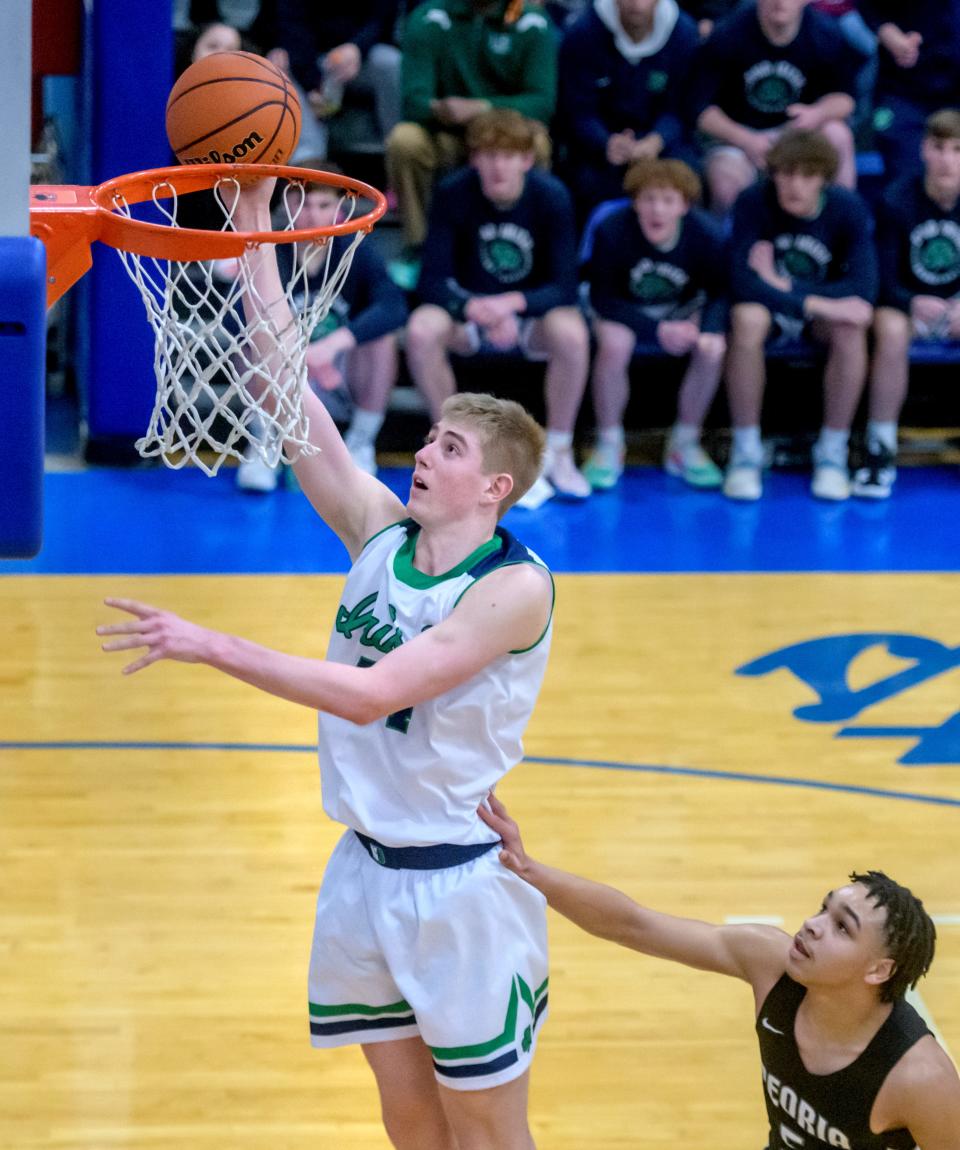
[156, 521]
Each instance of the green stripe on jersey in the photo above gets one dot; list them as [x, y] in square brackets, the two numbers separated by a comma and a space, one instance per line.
[505, 1038]
[319, 1011]
[405, 571]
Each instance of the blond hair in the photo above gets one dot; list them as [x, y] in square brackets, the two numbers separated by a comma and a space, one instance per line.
[510, 438]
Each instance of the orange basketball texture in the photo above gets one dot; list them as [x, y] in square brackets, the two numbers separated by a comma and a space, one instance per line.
[233, 107]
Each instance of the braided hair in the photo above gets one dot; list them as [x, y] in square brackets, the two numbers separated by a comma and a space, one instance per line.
[909, 932]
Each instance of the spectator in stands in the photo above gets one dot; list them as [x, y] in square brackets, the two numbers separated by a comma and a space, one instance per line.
[802, 260]
[657, 280]
[623, 66]
[918, 237]
[355, 346]
[461, 58]
[919, 57]
[708, 12]
[499, 276]
[765, 68]
[339, 49]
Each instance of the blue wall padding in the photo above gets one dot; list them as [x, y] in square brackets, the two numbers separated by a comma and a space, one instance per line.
[23, 341]
[128, 68]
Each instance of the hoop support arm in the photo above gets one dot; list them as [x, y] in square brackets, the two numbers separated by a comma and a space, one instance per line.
[77, 223]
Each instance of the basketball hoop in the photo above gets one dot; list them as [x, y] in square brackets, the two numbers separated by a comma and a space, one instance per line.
[214, 392]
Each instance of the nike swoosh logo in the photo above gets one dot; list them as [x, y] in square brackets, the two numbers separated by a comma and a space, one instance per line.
[766, 1026]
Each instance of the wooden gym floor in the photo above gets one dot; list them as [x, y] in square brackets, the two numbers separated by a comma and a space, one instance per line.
[162, 837]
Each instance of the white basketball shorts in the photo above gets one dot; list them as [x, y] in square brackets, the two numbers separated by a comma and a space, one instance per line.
[456, 955]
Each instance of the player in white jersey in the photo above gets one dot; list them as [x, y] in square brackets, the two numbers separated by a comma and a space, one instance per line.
[426, 951]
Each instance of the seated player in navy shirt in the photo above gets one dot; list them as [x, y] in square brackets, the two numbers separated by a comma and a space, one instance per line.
[802, 260]
[499, 275]
[918, 239]
[765, 68]
[657, 276]
[623, 68]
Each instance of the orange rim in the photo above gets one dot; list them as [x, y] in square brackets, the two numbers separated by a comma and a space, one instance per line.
[69, 218]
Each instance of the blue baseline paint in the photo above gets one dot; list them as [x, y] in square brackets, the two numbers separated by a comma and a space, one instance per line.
[598, 764]
[155, 521]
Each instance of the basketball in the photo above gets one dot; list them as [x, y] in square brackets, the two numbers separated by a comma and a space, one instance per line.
[233, 107]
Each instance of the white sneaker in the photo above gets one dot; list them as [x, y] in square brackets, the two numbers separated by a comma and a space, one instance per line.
[364, 456]
[560, 469]
[255, 475]
[743, 480]
[537, 495]
[830, 481]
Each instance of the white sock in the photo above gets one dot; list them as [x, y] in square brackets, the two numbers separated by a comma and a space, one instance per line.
[558, 441]
[684, 436]
[832, 446]
[610, 436]
[746, 443]
[882, 433]
[364, 427]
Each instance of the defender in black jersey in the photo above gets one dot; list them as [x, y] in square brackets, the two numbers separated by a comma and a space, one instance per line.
[802, 262]
[845, 1060]
[918, 237]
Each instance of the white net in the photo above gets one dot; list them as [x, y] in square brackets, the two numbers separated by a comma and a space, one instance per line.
[215, 394]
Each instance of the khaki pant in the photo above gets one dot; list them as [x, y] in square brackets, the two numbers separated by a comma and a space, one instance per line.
[414, 156]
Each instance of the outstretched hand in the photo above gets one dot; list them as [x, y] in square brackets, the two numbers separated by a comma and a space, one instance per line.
[248, 202]
[495, 815]
[165, 635]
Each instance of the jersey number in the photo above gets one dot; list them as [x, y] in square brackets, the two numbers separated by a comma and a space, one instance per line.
[399, 720]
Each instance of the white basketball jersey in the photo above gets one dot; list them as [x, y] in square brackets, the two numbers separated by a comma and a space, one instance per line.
[417, 777]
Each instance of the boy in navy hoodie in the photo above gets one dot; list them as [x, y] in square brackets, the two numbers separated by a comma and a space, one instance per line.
[623, 67]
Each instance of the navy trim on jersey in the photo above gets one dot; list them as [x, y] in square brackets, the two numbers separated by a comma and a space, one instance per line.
[351, 1024]
[475, 1070]
[435, 857]
[511, 551]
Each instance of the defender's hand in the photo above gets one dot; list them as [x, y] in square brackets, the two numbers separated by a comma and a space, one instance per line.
[495, 815]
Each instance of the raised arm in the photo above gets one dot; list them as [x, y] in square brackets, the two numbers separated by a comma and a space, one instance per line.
[352, 503]
[756, 954]
[507, 610]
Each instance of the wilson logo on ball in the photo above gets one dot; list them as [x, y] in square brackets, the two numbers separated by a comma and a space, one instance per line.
[237, 152]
